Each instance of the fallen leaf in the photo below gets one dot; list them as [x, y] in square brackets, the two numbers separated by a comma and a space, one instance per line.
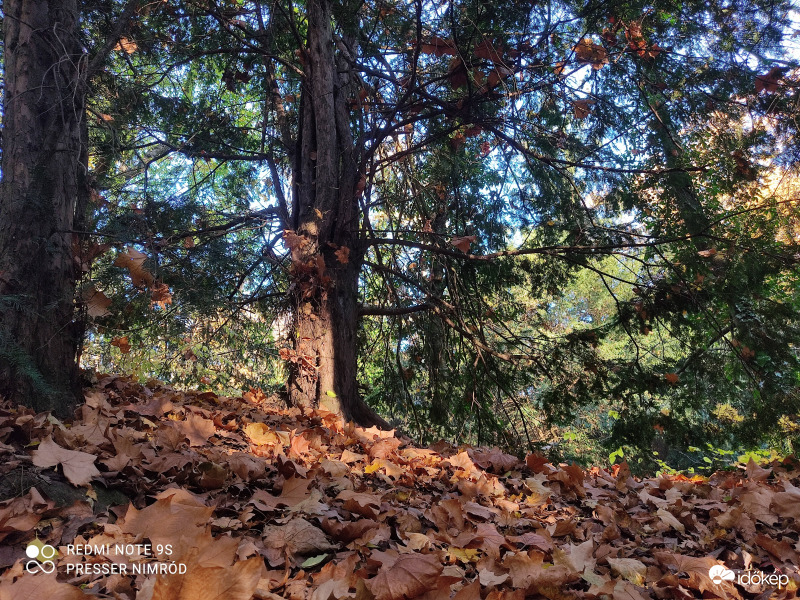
[39, 587]
[78, 466]
[408, 577]
[238, 582]
[196, 429]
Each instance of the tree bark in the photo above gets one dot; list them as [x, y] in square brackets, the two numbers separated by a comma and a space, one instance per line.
[326, 254]
[44, 186]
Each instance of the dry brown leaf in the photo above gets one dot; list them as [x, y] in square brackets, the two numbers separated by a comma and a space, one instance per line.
[177, 513]
[238, 582]
[343, 255]
[582, 108]
[408, 577]
[261, 433]
[122, 343]
[196, 429]
[464, 242]
[97, 303]
[590, 53]
[628, 568]
[298, 536]
[39, 587]
[78, 466]
[133, 260]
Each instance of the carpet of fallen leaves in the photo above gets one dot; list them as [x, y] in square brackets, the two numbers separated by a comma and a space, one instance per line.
[259, 501]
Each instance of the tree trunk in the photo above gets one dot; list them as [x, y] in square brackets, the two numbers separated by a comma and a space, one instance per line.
[326, 257]
[44, 184]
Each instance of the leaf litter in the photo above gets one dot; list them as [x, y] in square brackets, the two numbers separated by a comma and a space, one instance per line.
[255, 500]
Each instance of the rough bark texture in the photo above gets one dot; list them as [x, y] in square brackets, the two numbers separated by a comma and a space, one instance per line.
[323, 365]
[44, 186]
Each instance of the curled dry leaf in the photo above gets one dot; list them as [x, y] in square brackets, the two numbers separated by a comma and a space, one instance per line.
[97, 302]
[122, 343]
[587, 52]
[464, 242]
[133, 260]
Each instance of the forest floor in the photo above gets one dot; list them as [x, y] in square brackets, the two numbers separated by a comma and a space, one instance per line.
[165, 495]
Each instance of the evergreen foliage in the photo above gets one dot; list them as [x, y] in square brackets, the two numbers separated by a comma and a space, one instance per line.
[566, 210]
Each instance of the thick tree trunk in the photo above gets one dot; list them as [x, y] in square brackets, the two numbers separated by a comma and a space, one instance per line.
[44, 184]
[326, 258]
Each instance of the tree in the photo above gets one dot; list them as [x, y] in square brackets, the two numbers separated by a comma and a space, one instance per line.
[381, 161]
[44, 189]
[44, 194]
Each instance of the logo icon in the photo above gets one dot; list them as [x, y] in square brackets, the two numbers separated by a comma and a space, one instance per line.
[41, 556]
[720, 573]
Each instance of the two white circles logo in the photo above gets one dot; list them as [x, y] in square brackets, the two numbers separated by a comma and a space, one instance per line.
[41, 555]
[719, 573]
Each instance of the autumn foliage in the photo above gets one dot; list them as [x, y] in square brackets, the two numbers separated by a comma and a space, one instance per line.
[258, 501]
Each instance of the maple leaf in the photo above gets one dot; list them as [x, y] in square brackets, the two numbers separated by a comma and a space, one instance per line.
[582, 108]
[261, 433]
[409, 576]
[38, 587]
[366, 505]
[489, 51]
[629, 568]
[97, 302]
[196, 429]
[587, 52]
[23, 513]
[122, 343]
[298, 536]
[438, 47]
[78, 466]
[636, 41]
[464, 242]
[133, 260]
[787, 502]
[770, 81]
[237, 582]
[295, 490]
[176, 513]
[161, 295]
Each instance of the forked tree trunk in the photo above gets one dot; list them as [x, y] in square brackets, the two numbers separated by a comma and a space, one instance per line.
[326, 258]
[43, 186]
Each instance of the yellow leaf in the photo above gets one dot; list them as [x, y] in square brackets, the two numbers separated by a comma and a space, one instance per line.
[464, 554]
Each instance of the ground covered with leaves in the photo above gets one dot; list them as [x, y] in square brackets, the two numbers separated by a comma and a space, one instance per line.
[158, 494]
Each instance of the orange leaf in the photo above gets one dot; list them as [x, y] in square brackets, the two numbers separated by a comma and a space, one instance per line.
[672, 378]
[590, 53]
[343, 255]
[122, 343]
[126, 45]
[161, 295]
